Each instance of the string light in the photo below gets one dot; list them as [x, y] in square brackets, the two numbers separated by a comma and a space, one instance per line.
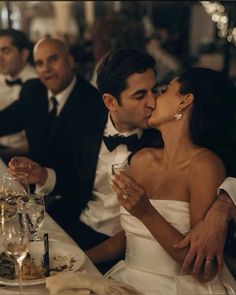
[218, 15]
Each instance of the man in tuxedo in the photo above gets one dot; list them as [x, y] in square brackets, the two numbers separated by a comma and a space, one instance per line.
[127, 83]
[45, 109]
[15, 70]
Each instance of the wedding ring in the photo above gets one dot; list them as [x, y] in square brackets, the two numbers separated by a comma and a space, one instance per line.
[208, 262]
[125, 196]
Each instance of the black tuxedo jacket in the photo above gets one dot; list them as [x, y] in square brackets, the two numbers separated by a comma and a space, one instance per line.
[51, 147]
[87, 148]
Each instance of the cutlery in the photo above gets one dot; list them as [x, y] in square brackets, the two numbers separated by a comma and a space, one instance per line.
[45, 261]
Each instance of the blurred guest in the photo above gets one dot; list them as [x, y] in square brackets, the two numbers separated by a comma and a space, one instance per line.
[15, 70]
[45, 109]
[114, 32]
[168, 65]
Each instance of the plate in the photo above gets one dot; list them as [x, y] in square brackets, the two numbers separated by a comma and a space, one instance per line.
[63, 258]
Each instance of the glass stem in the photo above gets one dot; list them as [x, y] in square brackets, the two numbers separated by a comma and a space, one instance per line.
[20, 277]
[33, 236]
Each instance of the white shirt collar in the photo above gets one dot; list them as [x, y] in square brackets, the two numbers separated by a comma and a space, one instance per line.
[62, 96]
[28, 71]
[111, 130]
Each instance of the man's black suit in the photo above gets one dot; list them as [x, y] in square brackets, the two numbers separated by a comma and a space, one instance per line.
[87, 143]
[51, 147]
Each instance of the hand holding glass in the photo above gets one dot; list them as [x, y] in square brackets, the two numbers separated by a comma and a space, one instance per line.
[118, 167]
[15, 187]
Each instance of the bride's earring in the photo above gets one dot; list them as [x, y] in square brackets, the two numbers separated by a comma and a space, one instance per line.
[178, 116]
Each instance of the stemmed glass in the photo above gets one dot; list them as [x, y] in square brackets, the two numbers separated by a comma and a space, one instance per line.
[34, 210]
[16, 244]
[15, 187]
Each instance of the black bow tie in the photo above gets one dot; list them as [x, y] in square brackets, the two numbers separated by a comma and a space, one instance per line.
[14, 82]
[112, 142]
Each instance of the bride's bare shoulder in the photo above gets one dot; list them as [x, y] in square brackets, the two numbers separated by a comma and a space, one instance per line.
[205, 162]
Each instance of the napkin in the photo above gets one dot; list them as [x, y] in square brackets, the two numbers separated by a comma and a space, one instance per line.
[78, 283]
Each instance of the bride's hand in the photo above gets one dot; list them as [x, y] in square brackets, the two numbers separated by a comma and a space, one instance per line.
[131, 195]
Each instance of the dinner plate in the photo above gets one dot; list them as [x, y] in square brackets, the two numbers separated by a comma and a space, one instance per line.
[63, 258]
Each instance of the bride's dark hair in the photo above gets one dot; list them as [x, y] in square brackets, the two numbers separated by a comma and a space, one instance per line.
[213, 116]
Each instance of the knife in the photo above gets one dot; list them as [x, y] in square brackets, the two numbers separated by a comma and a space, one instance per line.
[45, 261]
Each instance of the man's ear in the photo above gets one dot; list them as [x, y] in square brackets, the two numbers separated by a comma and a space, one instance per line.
[186, 101]
[110, 102]
[25, 54]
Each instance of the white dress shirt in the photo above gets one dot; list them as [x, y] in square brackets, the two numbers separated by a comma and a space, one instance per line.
[61, 100]
[8, 94]
[229, 185]
[103, 210]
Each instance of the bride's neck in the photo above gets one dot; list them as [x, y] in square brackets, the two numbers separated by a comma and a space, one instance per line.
[177, 142]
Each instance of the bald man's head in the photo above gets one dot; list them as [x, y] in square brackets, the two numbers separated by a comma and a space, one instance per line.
[54, 42]
[54, 64]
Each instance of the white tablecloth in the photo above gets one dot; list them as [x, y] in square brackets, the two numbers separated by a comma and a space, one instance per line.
[57, 233]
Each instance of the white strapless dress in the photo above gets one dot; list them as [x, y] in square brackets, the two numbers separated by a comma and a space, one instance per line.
[149, 268]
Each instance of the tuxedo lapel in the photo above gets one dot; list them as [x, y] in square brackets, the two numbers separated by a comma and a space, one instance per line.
[87, 153]
[90, 145]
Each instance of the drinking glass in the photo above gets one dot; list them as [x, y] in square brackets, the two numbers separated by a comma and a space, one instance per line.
[15, 187]
[16, 244]
[118, 167]
[34, 210]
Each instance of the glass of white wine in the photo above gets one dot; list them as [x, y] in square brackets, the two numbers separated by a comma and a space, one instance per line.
[34, 211]
[15, 187]
[16, 245]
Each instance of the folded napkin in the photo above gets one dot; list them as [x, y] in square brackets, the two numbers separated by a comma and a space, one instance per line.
[84, 284]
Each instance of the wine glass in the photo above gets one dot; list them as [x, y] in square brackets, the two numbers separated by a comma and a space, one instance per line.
[34, 210]
[15, 187]
[16, 245]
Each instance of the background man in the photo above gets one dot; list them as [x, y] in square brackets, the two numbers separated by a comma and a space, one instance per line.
[15, 70]
[45, 109]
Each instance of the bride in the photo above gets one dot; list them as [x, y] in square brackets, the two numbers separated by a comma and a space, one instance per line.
[167, 191]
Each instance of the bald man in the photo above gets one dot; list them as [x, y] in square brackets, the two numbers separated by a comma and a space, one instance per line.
[45, 109]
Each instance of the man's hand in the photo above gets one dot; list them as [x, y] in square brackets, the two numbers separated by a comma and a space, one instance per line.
[206, 240]
[36, 174]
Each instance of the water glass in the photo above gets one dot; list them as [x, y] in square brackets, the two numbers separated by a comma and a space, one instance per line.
[34, 211]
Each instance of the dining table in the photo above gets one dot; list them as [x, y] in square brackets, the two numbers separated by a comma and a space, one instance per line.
[56, 233]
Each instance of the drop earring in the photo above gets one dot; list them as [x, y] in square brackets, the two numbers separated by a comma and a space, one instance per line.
[178, 116]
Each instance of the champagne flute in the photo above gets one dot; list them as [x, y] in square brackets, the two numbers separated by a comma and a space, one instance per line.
[34, 210]
[16, 245]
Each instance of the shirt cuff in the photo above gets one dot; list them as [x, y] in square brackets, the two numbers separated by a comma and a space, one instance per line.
[229, 185]
[49, 184]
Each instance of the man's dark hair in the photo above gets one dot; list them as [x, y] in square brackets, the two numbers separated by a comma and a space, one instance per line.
[118, 65]
[19, 39]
